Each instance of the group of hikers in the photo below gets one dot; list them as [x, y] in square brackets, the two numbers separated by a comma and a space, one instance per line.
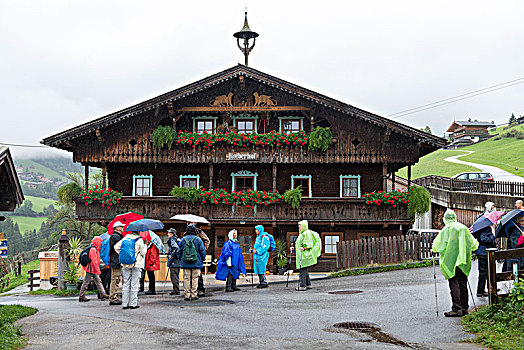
[455, 243]
[130, 255]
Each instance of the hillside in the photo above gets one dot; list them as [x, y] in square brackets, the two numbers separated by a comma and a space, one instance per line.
[503, 152]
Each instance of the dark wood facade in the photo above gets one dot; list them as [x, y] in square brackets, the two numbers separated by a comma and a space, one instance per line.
[366, 145]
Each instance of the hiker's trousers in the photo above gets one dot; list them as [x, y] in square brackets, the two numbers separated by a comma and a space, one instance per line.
[87, 280]
[116, 276]
[131, 276]
[191, 282]
[305, 281]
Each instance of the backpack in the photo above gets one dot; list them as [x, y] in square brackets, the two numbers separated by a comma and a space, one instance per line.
[272, 243]
[104, 251]
[84, 258]
[127, 254]
[190, 252]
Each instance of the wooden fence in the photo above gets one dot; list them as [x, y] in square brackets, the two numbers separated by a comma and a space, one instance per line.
[10, 264]
[474, 186]
[384, 250]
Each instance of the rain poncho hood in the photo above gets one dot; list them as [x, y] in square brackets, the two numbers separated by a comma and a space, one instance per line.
[310, 241]
[94, 255]
[262, 244]
[489, 207]
[455, 244]
[231, 260]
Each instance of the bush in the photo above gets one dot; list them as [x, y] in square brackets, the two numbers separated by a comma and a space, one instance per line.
[293, 197]
[320, 139]
[67, 193]
[191, 194]
[516, 132]
[163, 136]
[419, 202]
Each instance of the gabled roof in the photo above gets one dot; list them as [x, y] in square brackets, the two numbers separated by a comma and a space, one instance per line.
[457, 123]
[11, 183]
[231, 73]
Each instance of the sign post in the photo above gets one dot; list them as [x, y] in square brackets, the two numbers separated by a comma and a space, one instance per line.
[3, 246]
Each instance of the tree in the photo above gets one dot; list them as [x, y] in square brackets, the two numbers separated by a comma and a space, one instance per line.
[512, 119]
[427, 129]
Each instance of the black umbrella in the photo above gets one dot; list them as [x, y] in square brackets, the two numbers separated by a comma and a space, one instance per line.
[506, 219]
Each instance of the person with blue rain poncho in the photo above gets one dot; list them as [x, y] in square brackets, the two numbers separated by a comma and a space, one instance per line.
[231, 263]
[261, 255]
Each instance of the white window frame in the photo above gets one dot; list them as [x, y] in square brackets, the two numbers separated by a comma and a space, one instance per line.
[323, 235]
[293, 177]
[181, 177]
[137, 177]
[200, 118]
[244, 173]
[342, 177]
[280, 119]
[245, 116]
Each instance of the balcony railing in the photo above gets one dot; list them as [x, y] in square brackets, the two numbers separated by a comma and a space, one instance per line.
[339, 210]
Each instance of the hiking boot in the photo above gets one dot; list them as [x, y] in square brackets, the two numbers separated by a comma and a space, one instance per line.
[236, 289]
[83, 299]
[309, 287]
[174, 292]
[187, 299]
[118, 302]
[125, 307]
[484, 294]
[465, 312]
[201, 294]
[194, 298]
[134, 307]
[229, 290]
[150, 292]
[104, 297]
[300, 289]
[452, 313]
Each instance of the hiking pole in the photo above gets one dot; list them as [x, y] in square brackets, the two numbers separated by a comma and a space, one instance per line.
[288, 266]
[435, 279]
[471, 292]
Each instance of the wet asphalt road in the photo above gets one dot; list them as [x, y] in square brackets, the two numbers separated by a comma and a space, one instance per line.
[401, 303]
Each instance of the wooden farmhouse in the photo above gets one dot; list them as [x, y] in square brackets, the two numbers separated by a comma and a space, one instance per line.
[11, 195]
[366, 151]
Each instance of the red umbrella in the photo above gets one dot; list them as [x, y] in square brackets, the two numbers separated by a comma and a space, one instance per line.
[126, 219]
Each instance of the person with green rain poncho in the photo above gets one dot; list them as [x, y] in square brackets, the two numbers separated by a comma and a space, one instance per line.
[455, 245]
[308, 248]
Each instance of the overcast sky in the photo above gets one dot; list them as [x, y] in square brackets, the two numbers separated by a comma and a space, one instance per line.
[63, 63]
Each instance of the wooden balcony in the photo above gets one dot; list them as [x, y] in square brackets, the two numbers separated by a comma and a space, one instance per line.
[328, 210]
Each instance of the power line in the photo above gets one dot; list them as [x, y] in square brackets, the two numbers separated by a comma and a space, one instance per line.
[457, 98]
[19, 145]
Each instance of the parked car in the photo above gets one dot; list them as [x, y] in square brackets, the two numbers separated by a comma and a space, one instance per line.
[477, 176]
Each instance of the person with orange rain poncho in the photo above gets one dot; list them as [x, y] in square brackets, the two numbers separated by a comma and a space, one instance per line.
[455, 245]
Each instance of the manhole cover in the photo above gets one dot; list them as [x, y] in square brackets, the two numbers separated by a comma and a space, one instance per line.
[357, 326]
[346, 292]
[201, 302]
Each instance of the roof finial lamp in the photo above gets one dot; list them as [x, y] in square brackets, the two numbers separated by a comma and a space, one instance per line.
[246, 34]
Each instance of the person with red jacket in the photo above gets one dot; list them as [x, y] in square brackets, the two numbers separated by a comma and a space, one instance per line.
[93, 271]
[152, 264]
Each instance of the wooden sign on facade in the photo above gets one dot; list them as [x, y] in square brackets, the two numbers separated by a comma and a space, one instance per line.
[242, 156]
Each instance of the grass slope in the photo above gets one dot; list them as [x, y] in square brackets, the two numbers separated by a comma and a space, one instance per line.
[23, 277]
[28, 223]
[506, 153]
[39, 168]
[40, 203]
[11, 335]
[434, 164]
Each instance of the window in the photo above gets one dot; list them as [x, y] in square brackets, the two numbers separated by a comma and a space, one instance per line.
[204, 124]
[462, 177]
[289, 125]
[187, 181]
[142, 185]
[329, 242]
[291, 239]
[245, 242]
[220, 241]
[243, 183]
[246, 126]
[304, 181]
[244, 180]
[245, 123]
[473, 176]
[349, 186]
